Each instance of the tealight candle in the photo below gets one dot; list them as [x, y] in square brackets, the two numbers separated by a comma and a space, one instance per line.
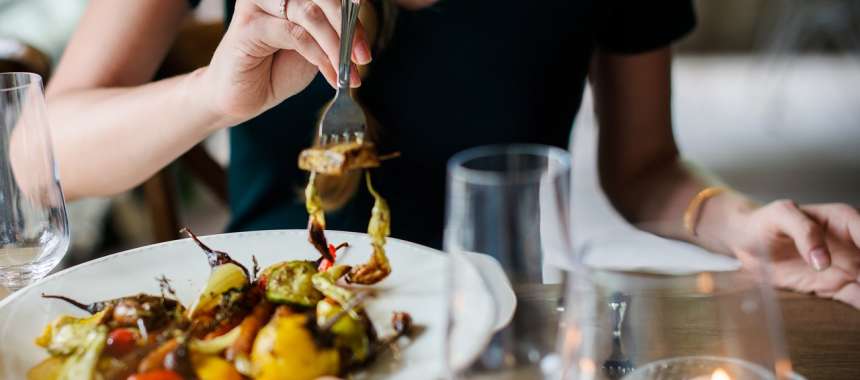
[719, 374]
[702, 368]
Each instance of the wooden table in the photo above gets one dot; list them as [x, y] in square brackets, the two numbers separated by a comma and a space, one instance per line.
[823, 336]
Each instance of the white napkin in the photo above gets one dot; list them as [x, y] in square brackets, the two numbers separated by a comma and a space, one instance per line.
[642, 252]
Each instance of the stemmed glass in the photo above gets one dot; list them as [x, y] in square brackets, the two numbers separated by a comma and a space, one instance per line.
[34, 231]
[508, 203]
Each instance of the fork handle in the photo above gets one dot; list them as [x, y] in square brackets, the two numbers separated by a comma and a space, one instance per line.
[349, 16]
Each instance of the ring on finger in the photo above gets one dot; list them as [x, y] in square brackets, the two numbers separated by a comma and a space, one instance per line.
[283, 9]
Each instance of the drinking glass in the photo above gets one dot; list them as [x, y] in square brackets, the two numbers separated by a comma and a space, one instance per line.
[34, 231]
[507, 208]
[636, 325]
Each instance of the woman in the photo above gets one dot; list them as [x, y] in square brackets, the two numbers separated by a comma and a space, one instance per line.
[454, 74]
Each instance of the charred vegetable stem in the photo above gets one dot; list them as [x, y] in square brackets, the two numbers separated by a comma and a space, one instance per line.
[380, 216]
[215, 258]
[92, 308]
[378, 229]
[316, 218]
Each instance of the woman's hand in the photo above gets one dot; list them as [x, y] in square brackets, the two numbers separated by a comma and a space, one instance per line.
[269, 54]
[813, 248]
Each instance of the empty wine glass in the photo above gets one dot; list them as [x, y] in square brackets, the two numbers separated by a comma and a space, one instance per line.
[34, 232]
[634, 324]
[507, 215]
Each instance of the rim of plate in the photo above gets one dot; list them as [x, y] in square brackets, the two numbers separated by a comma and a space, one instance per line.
[231, 235]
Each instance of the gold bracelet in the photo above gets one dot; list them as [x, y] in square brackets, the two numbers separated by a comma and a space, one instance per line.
[691, 215]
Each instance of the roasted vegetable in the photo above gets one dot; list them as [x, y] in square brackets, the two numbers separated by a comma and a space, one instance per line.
[179, 360]
[316, 219]
[402, 323]
[155, 359]
[217, 344]
[249, 328]
[291, 282]
[337, 159]
[325, 264]
[212, 367]
[222, 279]
[162, 374]
[68, 334]
[378, 229]
[121, 341]
[225, 275]
[82, 363]
[350, 333]
[287, 348]
[326, 281]
[235, 330]
[153, 311]
[48, 369]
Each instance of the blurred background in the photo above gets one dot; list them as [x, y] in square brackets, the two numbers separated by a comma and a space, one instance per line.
[766, 95]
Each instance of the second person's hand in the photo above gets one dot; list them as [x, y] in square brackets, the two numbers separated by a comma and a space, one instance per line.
[813, 248]
[271, 51]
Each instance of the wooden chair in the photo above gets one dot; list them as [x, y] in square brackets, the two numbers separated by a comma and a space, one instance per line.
[16, 55]
[193, 49]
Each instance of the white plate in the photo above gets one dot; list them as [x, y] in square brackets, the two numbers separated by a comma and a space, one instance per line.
[416, 285]
[503, 293]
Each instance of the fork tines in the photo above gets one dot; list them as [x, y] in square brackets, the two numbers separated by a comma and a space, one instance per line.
[345, 137]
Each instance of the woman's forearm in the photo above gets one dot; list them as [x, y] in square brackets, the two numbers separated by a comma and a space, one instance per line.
[657, 201]
[640, 166]
[111, 139]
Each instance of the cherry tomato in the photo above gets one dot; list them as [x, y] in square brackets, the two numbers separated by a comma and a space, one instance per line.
[121, 341]
[161, 374]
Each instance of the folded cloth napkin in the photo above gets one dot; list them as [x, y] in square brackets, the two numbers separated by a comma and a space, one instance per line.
[642, 252]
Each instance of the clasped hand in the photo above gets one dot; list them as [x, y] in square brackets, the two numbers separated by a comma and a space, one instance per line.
[812, 248]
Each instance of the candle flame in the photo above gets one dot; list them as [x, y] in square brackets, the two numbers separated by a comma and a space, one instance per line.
[587, 366]
[720, 374]
[705, 283]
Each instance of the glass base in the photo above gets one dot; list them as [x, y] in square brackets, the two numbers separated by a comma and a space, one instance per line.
[705, 368]
[18, 276]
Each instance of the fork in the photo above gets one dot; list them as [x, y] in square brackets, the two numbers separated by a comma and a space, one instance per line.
[617, 365]
[343, 119]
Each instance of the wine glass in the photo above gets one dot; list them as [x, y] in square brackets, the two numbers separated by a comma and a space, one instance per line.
[640, 324]
[507, 216]
[34, 231]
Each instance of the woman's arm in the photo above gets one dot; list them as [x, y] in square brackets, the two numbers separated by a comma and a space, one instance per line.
[814, 248]
[112, 129]
[639, 164]
[112, 132]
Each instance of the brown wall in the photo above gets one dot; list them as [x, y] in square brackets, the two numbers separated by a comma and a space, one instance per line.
[742, 26]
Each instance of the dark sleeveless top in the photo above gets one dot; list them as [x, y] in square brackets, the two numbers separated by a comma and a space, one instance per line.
[456, 75]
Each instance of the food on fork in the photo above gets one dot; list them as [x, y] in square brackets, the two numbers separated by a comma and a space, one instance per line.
[337, 159]
[379, 227]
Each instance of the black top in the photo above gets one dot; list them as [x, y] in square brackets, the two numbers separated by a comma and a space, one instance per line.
[456, 75]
